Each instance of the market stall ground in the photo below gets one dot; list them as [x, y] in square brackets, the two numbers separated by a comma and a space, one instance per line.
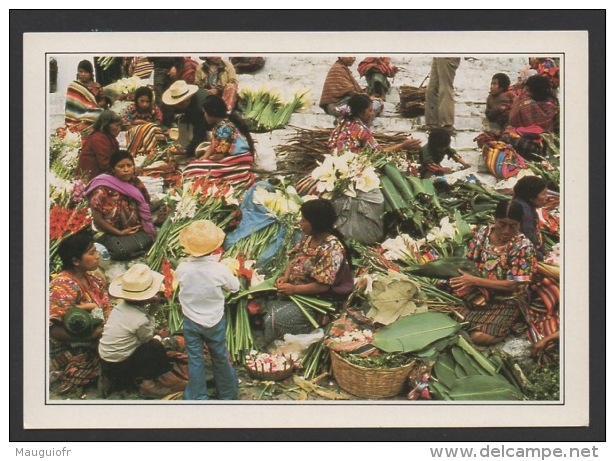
[289, 75]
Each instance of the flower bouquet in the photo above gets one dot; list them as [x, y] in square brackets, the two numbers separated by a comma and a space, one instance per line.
[345, 174]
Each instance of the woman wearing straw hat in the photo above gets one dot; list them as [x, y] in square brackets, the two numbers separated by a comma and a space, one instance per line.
[188, 100]
[202, 281]
[128, 351]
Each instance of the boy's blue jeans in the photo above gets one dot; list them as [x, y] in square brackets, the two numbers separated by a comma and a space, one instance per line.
[224, 373]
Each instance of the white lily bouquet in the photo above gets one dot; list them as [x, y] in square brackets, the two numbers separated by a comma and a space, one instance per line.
[345, 174]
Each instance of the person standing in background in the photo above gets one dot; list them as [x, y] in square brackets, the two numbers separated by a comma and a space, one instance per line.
[440, 95]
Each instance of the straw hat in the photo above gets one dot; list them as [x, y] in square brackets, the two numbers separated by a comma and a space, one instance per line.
[178, 92]
[201, 237]
[137, 283]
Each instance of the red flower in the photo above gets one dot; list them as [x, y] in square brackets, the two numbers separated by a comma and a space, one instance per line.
[253, 307]
[167, 271]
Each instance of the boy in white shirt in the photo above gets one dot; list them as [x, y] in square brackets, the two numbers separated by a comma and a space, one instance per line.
[202, 280]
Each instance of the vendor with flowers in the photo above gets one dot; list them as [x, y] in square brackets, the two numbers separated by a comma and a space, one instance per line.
[507, 261]
[318, 266]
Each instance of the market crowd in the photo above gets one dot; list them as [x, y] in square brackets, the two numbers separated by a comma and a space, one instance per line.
[112, 333]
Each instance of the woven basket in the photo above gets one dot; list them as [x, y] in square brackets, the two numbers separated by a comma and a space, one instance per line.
[268, 375]
[372, 383]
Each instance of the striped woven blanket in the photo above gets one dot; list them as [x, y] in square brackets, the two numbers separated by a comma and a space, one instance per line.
[144, 138]
[81, 105]
[502, 160]
[234, 169]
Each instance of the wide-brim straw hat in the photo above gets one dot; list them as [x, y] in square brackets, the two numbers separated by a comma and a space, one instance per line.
[137, 283]
[201, 237]
[179, 91]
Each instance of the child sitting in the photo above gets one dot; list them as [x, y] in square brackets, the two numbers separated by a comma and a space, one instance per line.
[202, 280]
[143, 110]
[499, 102]
[129, 352]
[431, 154]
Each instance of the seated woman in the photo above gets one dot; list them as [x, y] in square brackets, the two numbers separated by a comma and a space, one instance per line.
[85, 99]
[531, 194]
[74, 337]
[377, 72]
[535, 106]
[120, 208]
[218, 77]
[353, 133]
[318, 266]
[130, 354]
[142, 120]
[340, 86]
[99, 146]
[231, 152]
[507, 261]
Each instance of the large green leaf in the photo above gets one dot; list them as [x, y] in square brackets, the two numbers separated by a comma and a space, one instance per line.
[445, 370]
[409, 334]
[463, 359]
[439, 391]
[479, 387]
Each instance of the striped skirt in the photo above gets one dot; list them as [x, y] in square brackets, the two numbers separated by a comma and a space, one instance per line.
[496, 318]
[234, 169]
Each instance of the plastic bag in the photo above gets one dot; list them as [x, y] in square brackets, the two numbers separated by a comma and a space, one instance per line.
[294, 345]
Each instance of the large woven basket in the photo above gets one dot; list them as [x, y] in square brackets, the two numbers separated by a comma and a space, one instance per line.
[371, 383]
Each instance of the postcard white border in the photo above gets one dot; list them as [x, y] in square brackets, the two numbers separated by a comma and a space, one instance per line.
[573, 412]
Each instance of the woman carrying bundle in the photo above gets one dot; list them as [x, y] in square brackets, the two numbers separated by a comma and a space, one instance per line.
[507, 261]
[318, 266]
[120, 208]
[231, 152]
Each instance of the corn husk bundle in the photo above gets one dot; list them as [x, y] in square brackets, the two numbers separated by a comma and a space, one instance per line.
[411, 101]
[307, 148]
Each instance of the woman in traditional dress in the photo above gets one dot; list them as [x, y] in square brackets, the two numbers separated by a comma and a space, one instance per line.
[353, 133]
[231, 152]
[318, 266]
[507, 261]
[85, 99]
[142, 121]
[120, 208]
[99, 146]
[531, 194]
[78, 307]
[535, 106]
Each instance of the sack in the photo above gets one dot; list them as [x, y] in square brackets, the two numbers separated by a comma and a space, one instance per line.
[502, 160]
[79, 322]
[360, 217]
[344, 282]
[125, 247]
